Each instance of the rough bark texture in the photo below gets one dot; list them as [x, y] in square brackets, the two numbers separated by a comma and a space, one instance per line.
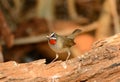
[100, 64]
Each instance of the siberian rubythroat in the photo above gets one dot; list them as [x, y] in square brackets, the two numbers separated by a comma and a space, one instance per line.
[61, 44]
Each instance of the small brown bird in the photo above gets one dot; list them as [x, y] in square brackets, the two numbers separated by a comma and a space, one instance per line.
[61, 44]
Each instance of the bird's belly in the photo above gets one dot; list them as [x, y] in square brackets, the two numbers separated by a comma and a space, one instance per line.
[61, 50]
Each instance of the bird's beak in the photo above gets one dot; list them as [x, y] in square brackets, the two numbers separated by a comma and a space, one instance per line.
[47, 36]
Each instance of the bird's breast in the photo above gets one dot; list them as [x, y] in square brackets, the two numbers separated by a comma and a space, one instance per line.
[59, 46]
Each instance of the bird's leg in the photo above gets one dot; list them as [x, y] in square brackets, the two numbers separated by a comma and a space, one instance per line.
[64, 63]
[69, 53]
[55, 58]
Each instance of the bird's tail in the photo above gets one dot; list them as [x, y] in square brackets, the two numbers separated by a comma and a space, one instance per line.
[75, 33]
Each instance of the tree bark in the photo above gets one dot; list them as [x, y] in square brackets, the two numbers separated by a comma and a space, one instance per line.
[100, 64]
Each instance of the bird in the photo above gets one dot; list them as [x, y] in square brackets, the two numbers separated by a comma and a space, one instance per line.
[61, 44]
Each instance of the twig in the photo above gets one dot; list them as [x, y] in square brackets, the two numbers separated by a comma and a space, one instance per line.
[104, 29]
[5, 31]
[73, 13]
[114, 13]
[28, 40]
[9, 13]
[42, 38]
[71, 9]
[90, 27]
[17, 9]
[45, 9]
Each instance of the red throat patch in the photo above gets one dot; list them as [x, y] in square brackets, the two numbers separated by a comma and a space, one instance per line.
[52, 41]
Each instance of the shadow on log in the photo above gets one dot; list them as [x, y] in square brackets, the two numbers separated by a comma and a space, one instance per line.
[100, 64]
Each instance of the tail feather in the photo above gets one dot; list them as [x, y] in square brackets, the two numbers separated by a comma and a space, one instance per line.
[74, 34]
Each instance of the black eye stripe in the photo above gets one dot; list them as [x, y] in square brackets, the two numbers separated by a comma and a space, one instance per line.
[52, 34]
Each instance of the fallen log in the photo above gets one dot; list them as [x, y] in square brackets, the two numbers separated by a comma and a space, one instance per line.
[100, 64]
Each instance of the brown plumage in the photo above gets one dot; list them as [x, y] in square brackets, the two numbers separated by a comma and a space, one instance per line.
[61, 44]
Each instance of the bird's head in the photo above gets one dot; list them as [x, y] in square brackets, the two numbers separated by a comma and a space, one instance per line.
[52, 38]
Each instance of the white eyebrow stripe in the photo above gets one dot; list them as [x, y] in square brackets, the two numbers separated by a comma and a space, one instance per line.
[52, 34]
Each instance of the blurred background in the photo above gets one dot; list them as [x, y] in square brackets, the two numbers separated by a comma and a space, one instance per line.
[24, 25]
